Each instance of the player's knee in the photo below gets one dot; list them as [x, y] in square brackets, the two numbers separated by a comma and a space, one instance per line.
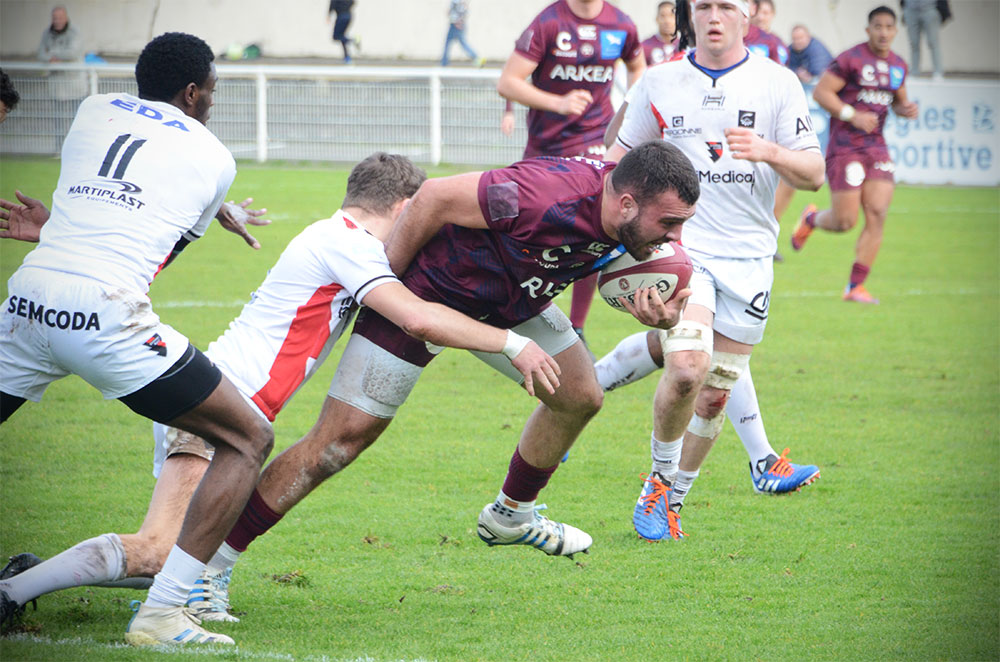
[262, 440]
[686, 351]
[844, 220]
[711, 402]
[875, 214]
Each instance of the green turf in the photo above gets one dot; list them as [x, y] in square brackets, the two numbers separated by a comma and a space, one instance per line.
[893, 555]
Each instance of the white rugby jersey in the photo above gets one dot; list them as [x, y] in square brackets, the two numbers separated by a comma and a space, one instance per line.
[136, 176]
[679, 102]
[300, 310]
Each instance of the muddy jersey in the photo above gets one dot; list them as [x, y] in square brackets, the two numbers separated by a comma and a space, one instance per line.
[692, 107]
[300, 310]
[658, 51]
[767, 44]
[573, 53]
[871, 84]
[136, 177]
[544, 218]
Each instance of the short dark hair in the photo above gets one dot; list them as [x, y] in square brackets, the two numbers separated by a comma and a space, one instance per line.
[169, 63]
[382, 180]
[881, 9]
[665, 2]
[8, 95]
[655, 167]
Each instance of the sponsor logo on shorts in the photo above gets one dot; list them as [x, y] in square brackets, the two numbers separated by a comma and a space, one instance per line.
[854, 173]
[885, 166]
[758, 306]
[71, 320]
[155, 343]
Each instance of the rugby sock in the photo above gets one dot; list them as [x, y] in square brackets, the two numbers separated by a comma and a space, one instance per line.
[859, 273]
[680, 488]
[521, 488]
[583, 296]
[744, 412]
[810, 219]
[628, 362]
[90, 562]
[511, 512]
[175, 580]
[225, 558]
[666, 455]
[256, 518]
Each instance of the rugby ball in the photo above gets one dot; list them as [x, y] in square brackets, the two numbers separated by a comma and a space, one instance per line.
[668, 269]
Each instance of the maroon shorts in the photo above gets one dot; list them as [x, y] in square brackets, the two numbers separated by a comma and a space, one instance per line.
[596, 150]
[847, 171]
[391, 338]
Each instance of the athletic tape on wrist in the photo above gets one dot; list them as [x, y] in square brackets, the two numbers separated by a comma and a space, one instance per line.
[847, 113]
[514, 344]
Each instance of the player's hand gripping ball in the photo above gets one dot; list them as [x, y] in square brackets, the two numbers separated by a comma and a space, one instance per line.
[668, 269]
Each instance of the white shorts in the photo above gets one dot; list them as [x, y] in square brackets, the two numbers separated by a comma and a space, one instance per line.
[737, 291]
[54, 324]
[372, 379]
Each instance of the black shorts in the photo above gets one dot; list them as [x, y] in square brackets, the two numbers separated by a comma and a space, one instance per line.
[184, 386]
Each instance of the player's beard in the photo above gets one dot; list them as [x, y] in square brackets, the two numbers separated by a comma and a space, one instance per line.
[629, 234]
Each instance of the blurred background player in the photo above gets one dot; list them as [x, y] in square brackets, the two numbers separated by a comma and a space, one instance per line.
[458, 14]
[661, 46]
[8, 95]
[569, 51]
[857, 90]
[759, 38]
[82, 306]
[731, 98]
[807, 56]
[311, 292]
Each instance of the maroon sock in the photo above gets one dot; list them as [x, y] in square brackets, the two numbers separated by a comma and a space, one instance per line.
[256, 518]
[811, 219]
[858, 274]
[524, 482]
[583, 296]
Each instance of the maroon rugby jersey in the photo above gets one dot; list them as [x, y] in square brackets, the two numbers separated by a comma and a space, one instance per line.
[767, 44]
[871, 84]
[658, 51]
[544, 217]
[573, 53]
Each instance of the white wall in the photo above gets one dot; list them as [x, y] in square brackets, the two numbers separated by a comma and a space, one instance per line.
[415, 29]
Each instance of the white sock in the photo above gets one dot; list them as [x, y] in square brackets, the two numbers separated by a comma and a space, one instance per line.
[509, 512]
[744, 412]
[93, 561]
[225, 557]
[175, 580]
[666, 455]
[628, 362]
[681, 486]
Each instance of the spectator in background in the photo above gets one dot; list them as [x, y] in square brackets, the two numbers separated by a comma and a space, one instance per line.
[662, 45]
[457, 14]
[61, 43]
[807, 57]
[8, 95]
[923, 18]
[342, 8]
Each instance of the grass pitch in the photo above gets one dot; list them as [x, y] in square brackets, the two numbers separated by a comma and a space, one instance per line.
[892, 555]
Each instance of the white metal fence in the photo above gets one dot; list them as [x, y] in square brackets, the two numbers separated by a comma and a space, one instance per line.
[297, 113]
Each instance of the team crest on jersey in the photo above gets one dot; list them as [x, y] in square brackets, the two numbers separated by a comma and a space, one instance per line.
[586, 50]
[713, 101]
[747, 119]
[155, 343]
[714, 150]
[895, 77]
[612, 44]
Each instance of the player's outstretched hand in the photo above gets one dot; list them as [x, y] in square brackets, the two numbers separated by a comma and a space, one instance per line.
[745, 144]
[865, 121]
[235, 217]
[575, 102]
[22, 221]
[538, 368]
[651, 311]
